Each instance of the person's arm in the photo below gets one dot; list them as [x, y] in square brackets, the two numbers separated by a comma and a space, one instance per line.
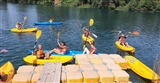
[119, 34]
[58, 43]
[83, 29]
[128, 34]
[35, 52]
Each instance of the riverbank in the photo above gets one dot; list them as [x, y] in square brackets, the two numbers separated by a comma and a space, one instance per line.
[122, 5]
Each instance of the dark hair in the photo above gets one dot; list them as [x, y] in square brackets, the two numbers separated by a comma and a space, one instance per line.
[0, 77]
[64, 42]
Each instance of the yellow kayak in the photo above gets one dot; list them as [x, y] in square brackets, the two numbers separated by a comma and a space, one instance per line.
[130, 48]
[88, 39]
[141, 69]
[8, 69]
[31, 59]
[24, 30]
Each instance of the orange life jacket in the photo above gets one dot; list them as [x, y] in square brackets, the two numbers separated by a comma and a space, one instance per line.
[41, 53]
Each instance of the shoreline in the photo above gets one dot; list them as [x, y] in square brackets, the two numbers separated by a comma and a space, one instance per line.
[142, 6]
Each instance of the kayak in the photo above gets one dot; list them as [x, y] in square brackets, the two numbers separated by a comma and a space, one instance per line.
[8, 69]
[124, 48]
[87, 39]
[68, 53]
[48, 23]
[24, 30]
[141, 69]
[32, 59]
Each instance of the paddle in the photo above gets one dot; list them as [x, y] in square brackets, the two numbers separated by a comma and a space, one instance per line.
[91, 22]
[58, 35]
[24, 19]
[86, 28]
[135, 32]
[38, 34]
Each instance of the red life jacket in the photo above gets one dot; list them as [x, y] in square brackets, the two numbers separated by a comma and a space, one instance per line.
[122, 40]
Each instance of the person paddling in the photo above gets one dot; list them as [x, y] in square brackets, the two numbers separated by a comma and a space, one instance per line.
[19, 26]
[40, 53]
[61, 50]
[51, 20]
[122, 38]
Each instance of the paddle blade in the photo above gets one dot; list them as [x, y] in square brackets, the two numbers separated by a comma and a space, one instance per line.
[91, 22]
[94, 35]
[58, 34]
[115, 31]
[136, 33]
[38, 34]
[25, 17]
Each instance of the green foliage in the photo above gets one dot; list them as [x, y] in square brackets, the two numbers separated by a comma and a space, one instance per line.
[85, 6]
[72, 3]
[111, 6]
[122, 3]
[134, 5]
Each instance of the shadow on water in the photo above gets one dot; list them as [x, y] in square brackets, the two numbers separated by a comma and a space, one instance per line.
[124, 53]
[20, 35]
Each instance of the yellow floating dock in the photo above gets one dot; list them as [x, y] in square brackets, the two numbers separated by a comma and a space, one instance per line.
[102, 68]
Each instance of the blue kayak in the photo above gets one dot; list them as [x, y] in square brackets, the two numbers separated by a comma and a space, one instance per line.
[69, 53]
[48, 23]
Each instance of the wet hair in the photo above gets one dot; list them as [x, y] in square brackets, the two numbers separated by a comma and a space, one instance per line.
[64, 42]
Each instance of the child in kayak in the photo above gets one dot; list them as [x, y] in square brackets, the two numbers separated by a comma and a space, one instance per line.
[40, 53]
[19, 26]
[122, 38]
[51, 20]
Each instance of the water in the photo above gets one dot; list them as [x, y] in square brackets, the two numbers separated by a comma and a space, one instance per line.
[147, 44]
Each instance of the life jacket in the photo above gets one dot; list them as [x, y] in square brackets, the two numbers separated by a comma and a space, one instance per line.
[122, 40]
[41, 53]
[87, 33]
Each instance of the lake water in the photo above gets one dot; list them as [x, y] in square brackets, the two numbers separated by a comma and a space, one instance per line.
[147, 44]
